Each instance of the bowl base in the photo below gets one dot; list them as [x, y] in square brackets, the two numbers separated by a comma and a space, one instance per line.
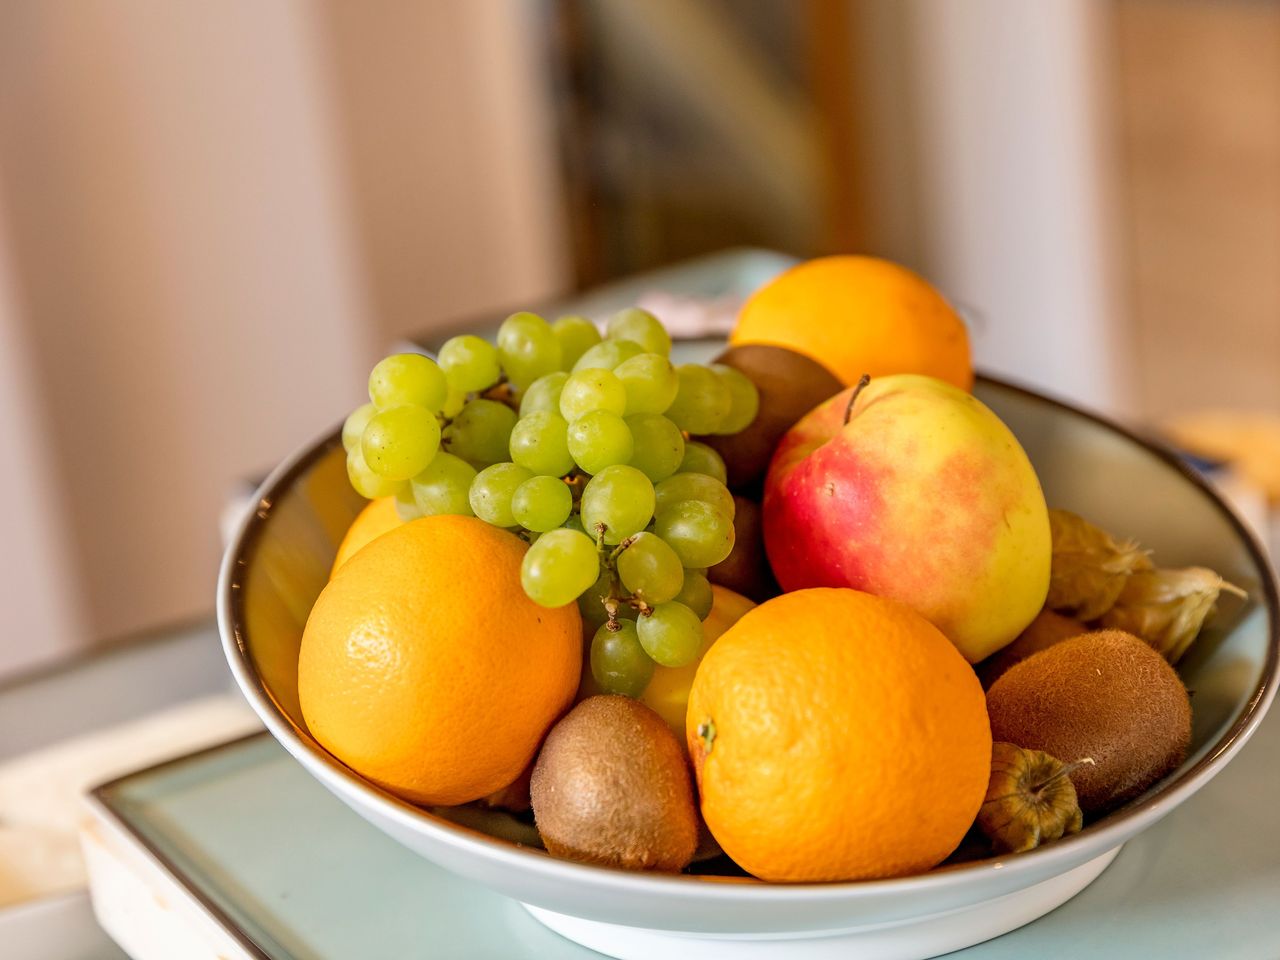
[915, 939]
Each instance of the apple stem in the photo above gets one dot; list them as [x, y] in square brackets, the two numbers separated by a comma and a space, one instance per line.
[853, 397]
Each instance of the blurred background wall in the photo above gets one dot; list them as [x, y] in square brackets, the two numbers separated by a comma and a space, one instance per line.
[214, 216]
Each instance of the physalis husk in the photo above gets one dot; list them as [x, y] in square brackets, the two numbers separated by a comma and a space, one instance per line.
[1089, 567]
[1167, 608]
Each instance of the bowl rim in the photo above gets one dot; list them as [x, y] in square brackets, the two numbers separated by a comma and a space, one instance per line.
[1109, 832]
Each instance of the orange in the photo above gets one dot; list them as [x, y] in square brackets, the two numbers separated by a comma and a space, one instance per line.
[668, 692]
[377, 517]
[425, 668]
[837, 736]
[857, 315]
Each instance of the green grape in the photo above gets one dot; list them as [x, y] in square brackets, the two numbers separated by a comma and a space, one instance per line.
[527, 348]
[542, 503]
[700, 534]
[353, 426]
[587, 391]
[481, 432]
[650, 382]
[591, 603]
[574, 522]
[577, 335]
[607, 355]
[406, 505]
[744, 399]
[658, 445]
[470, 363]
[454, 401]
[445, 486]
[694, 486]
[671, 635]
[699, 458]
[543, 394]
[559, 567]
[650, 569]
[639, 326]
[540, 442]
[618, 662]
[492, 490]
[368, 484]
[696, 594]
[621, 498]
[600, 440]
[407, 378]
[702, 401]
[399, 442]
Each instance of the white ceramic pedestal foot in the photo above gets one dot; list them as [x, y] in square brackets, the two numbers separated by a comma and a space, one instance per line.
[915, 939]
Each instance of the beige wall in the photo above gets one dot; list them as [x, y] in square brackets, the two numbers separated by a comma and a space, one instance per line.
[1198, 85]
[450, 152]
[204, 260]
[42, 617]
[989, 167]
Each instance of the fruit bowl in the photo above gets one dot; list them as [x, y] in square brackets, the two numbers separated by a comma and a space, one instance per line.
[280, 558]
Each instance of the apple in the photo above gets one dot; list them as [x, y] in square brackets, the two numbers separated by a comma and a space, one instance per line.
[910, 488]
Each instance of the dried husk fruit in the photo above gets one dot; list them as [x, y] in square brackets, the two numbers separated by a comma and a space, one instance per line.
[1167, 608]
[1030, 799]
[1089, 567]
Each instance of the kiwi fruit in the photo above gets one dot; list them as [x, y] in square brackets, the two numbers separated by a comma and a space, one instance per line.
[1106, 696]
[746, 569]
[1041, 633]
[611, 785]
[790, 385]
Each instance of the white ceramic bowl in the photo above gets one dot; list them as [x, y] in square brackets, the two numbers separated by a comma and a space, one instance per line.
[279, 561]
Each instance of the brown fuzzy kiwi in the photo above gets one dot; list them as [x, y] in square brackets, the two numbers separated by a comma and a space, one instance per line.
[1106, 696]
[790, 385]
[746, 570]
[1041, 633]
[611, 785]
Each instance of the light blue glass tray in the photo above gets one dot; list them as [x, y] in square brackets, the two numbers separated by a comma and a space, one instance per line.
[295, 875]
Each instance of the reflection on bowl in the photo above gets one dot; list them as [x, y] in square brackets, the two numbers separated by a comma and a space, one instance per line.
[279, 561]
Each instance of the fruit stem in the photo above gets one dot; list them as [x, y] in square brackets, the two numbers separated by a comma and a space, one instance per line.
[853, 397]
[502, 392]
[1065, 771]
[613, 557]
[707, 733]
[617, 596]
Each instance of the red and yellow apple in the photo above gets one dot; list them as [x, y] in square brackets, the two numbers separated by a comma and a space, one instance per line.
[913, 489]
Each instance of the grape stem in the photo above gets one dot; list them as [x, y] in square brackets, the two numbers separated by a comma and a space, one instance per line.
[502, 392]
[616, 598]
[613, 557]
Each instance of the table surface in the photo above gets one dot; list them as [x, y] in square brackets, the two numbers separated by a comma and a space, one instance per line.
[112, 686]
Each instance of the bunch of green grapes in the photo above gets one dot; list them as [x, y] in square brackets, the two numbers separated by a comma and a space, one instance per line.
[579, 443]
